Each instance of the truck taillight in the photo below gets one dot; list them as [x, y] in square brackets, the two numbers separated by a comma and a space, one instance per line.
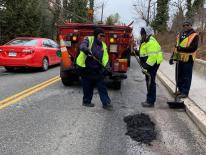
[1, 50]
[74, 38]
[112, 40]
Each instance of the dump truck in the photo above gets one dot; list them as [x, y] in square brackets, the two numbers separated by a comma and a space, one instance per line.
[119, 40]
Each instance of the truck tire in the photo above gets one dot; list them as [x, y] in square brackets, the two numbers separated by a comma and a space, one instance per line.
[129, 60]
[66, 82]
[117, 85]
[127, 56]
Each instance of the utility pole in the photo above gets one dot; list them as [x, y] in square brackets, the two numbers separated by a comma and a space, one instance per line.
[102, 12]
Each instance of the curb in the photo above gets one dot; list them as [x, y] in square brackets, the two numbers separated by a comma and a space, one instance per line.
[193, 111]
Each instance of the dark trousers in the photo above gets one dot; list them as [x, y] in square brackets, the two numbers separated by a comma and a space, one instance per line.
[151, 87]
[184, 76]
[88, 87]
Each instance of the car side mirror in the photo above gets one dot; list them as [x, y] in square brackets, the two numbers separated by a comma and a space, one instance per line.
[59, 53]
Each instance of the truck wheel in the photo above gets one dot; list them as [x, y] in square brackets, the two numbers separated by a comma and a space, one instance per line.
[45, 64]
[127, 56]
[128, 62]
[66, 82]
[9, 69]
[117, 85]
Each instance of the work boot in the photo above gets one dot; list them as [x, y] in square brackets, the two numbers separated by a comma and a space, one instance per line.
[177, 93]
[147, 105]
[88, 104]
[107, 107]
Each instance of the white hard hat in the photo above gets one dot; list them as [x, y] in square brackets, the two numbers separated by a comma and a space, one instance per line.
[147, 30]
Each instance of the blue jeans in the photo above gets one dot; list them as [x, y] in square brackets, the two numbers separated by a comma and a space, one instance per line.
[184, 76]
[88, 87]
[151, 88]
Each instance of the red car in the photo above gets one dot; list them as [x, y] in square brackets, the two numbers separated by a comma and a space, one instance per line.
[29, 52]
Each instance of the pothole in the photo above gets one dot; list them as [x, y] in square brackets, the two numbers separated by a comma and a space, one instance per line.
[140, 128]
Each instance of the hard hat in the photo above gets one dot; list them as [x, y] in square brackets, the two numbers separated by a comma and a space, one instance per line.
[147, 30]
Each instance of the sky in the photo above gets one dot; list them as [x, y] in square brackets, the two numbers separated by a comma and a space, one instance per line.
[125, 9]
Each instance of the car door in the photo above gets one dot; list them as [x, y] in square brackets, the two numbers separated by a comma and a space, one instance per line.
[49, 51]
[55, 47]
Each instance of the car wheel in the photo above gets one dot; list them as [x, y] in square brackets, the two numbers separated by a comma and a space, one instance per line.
[9, 69]
[45, 64]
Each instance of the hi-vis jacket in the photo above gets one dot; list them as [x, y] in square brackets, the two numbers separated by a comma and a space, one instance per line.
[152, 51]
[184, 56]
[80, 61]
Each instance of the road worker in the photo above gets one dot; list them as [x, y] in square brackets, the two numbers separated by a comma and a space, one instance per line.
[91, 71]
[185, 54]
[151, 56]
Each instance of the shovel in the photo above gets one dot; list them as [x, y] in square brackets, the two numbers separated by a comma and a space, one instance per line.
[177, 103]
[144, 71]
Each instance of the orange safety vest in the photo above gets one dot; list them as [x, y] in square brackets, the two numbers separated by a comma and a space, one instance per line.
[183, 56]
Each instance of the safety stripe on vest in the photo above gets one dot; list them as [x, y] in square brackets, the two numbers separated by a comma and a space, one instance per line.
[185, 56]
[91, 40]
[190, 38]
[150, 53]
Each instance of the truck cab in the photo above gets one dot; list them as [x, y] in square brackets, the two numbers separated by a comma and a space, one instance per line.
[119, 40]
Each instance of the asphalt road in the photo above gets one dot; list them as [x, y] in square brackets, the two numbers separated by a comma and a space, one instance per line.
[14, 82]
[53, 121]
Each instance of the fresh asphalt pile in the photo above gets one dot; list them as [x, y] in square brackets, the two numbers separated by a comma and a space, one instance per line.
[140, 128]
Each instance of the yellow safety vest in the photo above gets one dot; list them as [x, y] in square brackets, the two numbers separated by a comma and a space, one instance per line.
[183, 56]
[152, 50]
[81, 58]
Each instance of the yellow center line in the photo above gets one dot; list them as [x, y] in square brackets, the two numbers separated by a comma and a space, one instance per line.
[28, 94]
[27, 90]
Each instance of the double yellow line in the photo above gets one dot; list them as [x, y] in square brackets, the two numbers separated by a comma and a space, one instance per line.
[17, 97]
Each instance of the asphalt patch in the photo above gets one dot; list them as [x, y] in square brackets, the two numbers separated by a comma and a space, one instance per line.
[140, 128]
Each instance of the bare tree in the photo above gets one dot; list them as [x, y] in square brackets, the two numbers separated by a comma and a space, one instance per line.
[145, 10]
[180, 8]
[200, 18]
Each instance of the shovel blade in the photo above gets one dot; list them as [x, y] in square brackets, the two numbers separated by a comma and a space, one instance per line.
[176, 104]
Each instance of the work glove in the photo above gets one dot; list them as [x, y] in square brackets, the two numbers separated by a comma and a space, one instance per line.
[86, 51]
[107, 71]
[145, 66]
[171, 61]
[144, 71]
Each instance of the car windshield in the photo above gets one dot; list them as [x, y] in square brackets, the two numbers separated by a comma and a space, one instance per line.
[23, 42]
